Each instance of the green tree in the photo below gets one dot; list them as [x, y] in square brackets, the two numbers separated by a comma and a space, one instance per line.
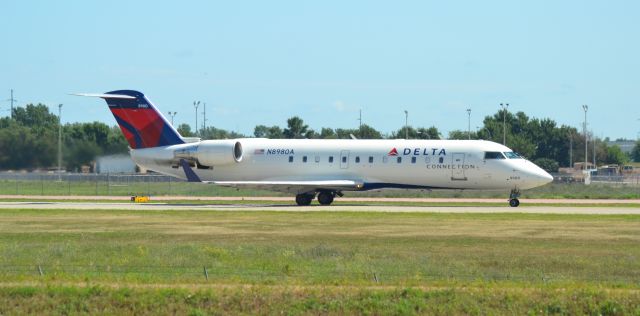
[429, 133]
[185, 130]
[616, 156]
[295, 128]
[262, 131]
[635, 152]
[459, 134]
[549, 165]
[116, 143]
[217, 133]
[419, 133]
[36, 116]
[328, 133]
[368, 132]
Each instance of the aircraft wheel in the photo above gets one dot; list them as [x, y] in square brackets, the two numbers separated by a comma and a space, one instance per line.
[325, 198]
[514, 202]
[304, 199]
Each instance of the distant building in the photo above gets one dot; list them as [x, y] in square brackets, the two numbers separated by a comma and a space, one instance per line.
[115, 164]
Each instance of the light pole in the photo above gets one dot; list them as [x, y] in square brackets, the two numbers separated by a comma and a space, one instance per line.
[204, 116]
[469, 123]
[586, 143]
[360, 125]
[505, 108]
[196, 104]
[59, 142]
[570, 149]
[406, 124]
[594, 150]
[172, 114]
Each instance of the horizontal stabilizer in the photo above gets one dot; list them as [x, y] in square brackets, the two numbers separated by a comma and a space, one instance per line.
[104, 96]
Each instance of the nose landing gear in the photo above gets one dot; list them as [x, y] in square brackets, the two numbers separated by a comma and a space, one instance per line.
[513, 197]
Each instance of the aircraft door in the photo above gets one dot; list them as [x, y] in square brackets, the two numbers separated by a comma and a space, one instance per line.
[457, 167]
[344, 159]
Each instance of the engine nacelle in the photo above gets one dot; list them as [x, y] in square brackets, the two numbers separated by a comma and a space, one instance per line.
[212, 152]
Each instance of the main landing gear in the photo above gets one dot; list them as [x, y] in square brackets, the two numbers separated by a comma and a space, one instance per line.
[513, 198]
[324, 197]
[305, 199]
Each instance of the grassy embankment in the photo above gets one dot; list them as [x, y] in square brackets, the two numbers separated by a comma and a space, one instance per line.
[320, 262]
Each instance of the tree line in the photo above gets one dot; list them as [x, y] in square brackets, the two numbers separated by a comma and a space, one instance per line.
[30, 138]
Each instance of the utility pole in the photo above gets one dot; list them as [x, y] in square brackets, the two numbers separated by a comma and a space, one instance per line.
[12, 100]
[406, 124]
[505, 108]
[469, 122]
[586, 142]
[59, 142]
[172, 114]
[196, 104]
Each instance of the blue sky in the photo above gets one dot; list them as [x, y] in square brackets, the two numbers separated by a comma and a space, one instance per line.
[261, 62]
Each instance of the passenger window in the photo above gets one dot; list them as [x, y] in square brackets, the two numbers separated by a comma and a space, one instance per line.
[370, 159]
[413, 159]
[357, 159]
[290, 158]
[441, 159]
[493, 155]
[317, 158]
[304, 159]
[385, 159]
[344, 159]
[399, 159]
[330, 159]
[427, 159]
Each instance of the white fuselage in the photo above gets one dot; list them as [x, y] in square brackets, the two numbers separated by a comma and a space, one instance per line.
[428, 164]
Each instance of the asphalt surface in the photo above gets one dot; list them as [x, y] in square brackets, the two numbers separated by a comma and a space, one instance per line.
[355, 207]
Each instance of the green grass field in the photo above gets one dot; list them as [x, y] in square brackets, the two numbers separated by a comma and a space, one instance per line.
[201, 262]
[126, 188]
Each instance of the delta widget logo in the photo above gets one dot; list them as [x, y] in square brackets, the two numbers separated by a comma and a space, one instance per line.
[393, 152]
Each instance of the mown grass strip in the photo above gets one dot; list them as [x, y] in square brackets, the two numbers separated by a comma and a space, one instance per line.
[54, 299]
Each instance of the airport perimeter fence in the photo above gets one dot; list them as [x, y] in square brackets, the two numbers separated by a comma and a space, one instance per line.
[79, 184]
[209, 273]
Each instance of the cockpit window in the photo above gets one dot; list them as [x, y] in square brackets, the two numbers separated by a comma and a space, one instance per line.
[493, 155]
[512, 155]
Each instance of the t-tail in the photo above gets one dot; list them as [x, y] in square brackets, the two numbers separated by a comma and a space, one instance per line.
[141, 123]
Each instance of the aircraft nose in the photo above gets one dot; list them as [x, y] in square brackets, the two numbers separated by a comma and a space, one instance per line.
[539, 176]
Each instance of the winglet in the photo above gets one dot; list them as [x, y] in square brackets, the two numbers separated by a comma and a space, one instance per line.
[191, 176]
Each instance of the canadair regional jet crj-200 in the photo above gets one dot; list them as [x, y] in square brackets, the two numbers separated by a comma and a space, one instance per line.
[321, 168]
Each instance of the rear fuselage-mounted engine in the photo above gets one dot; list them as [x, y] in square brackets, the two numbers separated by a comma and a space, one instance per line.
[211, 152]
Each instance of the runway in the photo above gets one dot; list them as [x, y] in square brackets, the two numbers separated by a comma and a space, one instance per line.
[355, 207]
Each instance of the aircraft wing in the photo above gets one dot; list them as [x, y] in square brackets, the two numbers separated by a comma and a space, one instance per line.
[296, 186]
